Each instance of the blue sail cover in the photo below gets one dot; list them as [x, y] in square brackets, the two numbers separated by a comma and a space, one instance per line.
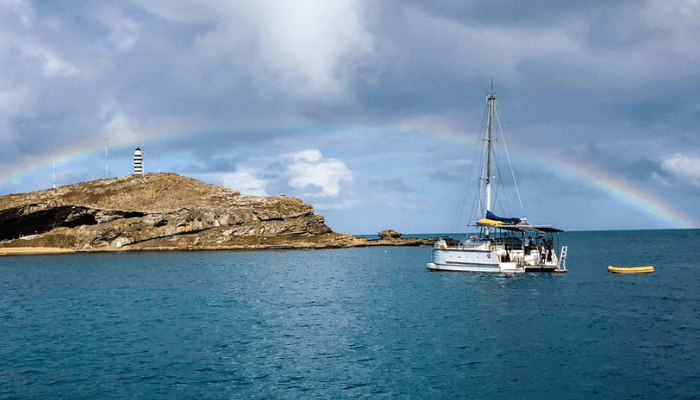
[492, 216]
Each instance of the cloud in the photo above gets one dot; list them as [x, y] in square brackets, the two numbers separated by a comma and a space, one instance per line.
[310, 169]
[213, 64]
[448, 177]
[397, 185]
[310, 155]
[663, 181]
[246, 182]
[686, 169]
[120, 130]
[307, 50]
[53, 64]
[22, 9]
[312, 48]
[305, 170]
[121, 31]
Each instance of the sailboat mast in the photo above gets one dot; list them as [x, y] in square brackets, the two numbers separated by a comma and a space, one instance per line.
[491, 101]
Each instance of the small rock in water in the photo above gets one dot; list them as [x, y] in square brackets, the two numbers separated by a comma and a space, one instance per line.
[389, 234]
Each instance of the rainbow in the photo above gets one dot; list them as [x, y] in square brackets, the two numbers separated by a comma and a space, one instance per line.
[592, 177]
[589, 176]
[618, 188]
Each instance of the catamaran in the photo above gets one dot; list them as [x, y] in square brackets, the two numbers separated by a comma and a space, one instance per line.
[501, 244]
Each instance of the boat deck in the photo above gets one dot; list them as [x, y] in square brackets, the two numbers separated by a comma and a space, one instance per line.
[543, 268]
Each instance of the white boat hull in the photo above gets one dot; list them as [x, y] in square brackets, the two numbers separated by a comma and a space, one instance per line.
[471, 260]
[469, 268]
[485, 257]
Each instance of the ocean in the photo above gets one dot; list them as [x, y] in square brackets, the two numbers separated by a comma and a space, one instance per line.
[344, 323]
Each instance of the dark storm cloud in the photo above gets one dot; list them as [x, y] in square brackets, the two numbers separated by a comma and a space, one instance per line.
[175, 68]
[634, 168]
[517, 13]
[78, 65]
[586, 81]
[165, 78]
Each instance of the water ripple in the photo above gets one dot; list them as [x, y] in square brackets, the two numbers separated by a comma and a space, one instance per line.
[347, 323]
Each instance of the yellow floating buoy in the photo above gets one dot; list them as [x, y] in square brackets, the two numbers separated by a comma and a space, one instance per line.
[631, 270]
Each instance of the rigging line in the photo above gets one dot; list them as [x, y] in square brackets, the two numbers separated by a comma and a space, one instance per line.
[503, 201]
[515, 183]
[476, 150]
[471, 211]
[478, 153]
[465, 192]
[470, 176]
[500, 196]
[483, 155]
[476, 200]
[505, 209]
[501, 186]
[456, 224]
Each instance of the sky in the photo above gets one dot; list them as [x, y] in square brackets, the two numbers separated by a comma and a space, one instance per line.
[371, 111]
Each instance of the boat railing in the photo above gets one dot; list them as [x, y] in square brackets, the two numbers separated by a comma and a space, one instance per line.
[510, 243]
[470, 244]
[562, 257]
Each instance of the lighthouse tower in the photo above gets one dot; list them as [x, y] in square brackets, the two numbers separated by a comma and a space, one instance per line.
[138, 162]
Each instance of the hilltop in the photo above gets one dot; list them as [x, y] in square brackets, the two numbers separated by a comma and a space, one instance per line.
[164, 211]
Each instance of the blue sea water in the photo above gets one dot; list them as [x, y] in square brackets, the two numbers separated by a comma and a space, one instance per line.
[364, 322]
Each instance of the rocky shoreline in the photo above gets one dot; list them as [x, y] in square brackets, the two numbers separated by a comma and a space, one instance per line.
[166, 212]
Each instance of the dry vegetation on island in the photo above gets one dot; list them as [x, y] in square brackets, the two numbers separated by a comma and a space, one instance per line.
[163, 211]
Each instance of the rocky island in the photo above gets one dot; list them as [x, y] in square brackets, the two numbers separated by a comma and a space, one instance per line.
[165, 211]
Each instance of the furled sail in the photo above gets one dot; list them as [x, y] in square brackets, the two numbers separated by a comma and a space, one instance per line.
[488, 222]
[494, 217]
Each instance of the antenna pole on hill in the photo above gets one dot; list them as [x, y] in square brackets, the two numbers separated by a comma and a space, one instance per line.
[106, 159]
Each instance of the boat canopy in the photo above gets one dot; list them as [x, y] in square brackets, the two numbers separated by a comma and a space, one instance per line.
[514, 224]
[531, 228]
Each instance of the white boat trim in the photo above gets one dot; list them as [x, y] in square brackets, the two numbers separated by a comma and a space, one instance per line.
[465, 268]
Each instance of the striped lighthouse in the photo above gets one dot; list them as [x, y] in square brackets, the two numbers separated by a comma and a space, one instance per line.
[138, 162]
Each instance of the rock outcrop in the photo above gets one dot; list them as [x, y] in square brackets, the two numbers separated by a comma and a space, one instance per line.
[389, 234]
[163, 212]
